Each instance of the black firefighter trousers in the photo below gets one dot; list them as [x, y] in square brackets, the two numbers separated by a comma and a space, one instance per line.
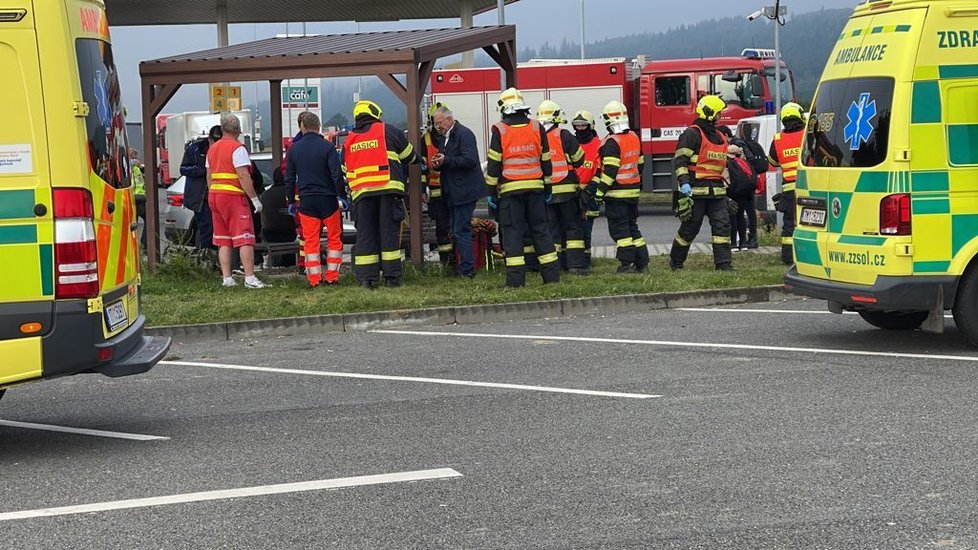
[526, 214]
[714, 208]
[622, 217]
[567, 229]
[378, 221]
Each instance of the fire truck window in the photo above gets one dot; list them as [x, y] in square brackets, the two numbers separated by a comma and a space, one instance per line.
[105, 123]
[739, 93]
[672, 91]
[849, 125]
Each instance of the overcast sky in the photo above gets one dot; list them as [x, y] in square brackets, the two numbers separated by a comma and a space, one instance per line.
[537, 21]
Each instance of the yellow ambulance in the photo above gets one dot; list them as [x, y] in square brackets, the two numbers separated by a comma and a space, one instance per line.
[887, 200]
[69, 253]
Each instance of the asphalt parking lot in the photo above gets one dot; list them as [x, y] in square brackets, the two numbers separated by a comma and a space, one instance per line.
[760, 426]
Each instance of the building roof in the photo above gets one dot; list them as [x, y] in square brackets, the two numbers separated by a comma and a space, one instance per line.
[331, 55]
[184, 12]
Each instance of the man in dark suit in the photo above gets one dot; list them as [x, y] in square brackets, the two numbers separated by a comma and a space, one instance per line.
[463, 183]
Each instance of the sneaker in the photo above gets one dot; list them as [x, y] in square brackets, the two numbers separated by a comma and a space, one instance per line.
[253, 282]
[239, 271]
[229, 282]
[259, 268]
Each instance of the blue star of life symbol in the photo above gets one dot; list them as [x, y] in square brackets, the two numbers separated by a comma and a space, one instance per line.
[102, 100]
[860, 126]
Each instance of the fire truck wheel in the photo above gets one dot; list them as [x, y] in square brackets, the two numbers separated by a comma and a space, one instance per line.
[894, 320]
[965, 308]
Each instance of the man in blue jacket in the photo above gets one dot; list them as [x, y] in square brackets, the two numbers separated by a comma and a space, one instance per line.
[462, 181]
[193, 168]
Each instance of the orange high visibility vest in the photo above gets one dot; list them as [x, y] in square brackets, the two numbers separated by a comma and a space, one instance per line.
[434, 176]
[522, 149]
[631, 151]
[711, 160]
[558, 157]
[367, 161]
[224, 176]
[788, 147]
[592, 162]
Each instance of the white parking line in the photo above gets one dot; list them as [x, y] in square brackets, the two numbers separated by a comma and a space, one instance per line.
[796, 311]
[595, 393]
[80, 431]
[665, 343]
[441, 473]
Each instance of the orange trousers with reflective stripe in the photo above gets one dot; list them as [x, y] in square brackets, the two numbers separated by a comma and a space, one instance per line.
[311, 232]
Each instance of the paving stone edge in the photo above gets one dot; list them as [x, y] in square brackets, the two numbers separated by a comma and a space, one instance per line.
[461, 315]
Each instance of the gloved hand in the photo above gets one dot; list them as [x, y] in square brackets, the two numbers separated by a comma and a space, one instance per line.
[492, 203]
[686, 189]
[344, 204]
[548, 196]
[293, 208]
[256, 202]
[684, 208]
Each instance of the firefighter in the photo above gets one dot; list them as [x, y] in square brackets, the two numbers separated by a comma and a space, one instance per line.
[437, 207]
[375, 157]
[563, 201]
[315, 164]
[785, 152]
[518, 174]
[699, 162]
[588, 173]
[620, 185]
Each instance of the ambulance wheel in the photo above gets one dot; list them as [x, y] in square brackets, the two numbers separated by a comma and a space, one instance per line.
[965, 308]
[894, 320]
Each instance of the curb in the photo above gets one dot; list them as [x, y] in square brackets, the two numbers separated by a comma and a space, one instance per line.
[462, 315]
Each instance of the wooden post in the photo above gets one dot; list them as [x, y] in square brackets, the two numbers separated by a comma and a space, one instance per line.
[414, 138]
[150, 174]
[275, 93]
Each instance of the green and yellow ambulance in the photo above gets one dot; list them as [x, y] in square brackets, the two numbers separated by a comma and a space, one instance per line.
[69, 253]
[887, 197]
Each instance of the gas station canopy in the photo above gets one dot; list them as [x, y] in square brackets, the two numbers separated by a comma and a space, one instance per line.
[185, 12]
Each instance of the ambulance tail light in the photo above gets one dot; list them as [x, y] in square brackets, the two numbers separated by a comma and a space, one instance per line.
[895, 215]
[75, 250]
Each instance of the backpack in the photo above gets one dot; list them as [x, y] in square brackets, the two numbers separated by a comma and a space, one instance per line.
[754, 154]
[743, 180]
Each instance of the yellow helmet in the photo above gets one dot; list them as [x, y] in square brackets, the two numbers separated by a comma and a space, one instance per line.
[434, 107]
[366, 107]
[550, 112]
[511, 101]
[791, 109]
[709, 107]
[615, 112]
[585, 117]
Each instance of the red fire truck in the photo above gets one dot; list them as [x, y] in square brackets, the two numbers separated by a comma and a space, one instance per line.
[661, 95]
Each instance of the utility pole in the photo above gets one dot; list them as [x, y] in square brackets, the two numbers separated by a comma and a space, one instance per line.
[582, 29]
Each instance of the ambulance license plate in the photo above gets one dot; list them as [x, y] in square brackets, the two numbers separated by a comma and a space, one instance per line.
[813, 216]
[116, 316]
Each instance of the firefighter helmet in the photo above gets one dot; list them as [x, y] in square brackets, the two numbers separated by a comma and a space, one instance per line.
[434, 107]
[367, 107]
[710, 107]
[615, 114]
[583, 117]
[511, 101]
[550, 112]
[791, 110]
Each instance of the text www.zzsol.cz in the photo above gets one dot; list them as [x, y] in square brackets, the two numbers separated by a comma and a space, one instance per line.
[857, 258]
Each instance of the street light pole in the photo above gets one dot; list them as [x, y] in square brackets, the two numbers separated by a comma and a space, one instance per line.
[777, 57]
[582, 29]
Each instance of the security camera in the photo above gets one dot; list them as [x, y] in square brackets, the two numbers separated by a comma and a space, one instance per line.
[755, 15]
